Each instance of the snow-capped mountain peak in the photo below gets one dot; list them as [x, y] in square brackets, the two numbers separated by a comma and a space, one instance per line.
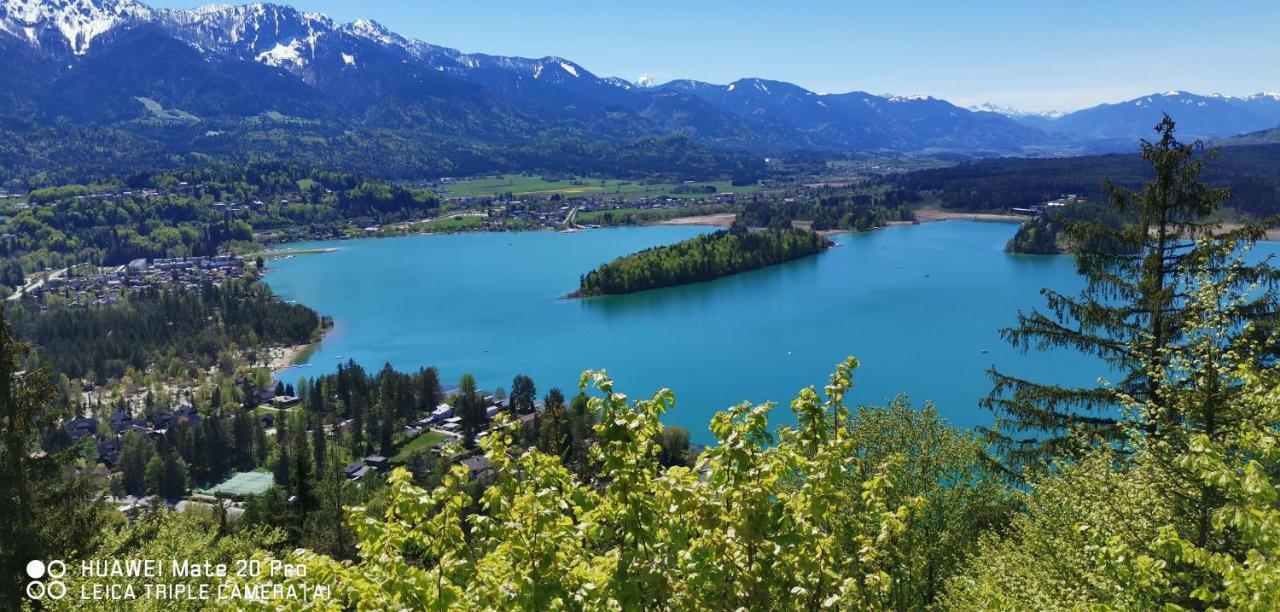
[272, 34]
[1009, 111]
[75, 23]
[372, 30]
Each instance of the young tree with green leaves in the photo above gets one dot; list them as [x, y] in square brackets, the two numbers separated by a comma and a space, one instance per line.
[193, 536]
[810, 519]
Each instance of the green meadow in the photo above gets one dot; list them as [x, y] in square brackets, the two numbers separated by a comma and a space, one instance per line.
[528, 185]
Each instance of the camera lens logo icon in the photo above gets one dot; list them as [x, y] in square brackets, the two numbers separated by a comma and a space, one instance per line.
[37, 588]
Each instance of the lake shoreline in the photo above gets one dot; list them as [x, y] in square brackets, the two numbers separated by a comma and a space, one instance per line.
[759, 336]
[295, 356]
[286, 357]
[923, 215]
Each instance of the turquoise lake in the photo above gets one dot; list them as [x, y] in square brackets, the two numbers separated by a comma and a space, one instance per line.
[917, 305]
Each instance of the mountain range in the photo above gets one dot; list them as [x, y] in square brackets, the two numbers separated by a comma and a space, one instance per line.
[142, 84]
[1211, 116]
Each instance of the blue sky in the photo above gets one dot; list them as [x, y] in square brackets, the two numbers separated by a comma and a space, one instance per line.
[1030, 55]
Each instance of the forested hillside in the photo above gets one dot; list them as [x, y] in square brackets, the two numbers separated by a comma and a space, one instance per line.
[999, 184]
[67, 153]
[832, 209]
[191, 212]
[175, 329]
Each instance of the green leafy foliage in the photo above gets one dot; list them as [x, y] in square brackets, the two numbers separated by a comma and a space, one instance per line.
[828, 513]
[197, 536]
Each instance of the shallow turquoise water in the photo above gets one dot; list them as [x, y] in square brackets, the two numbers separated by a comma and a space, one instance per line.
[916, 304]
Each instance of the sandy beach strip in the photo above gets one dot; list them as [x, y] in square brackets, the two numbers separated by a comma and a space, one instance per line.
[284, 357]
[932, 213]
[718, 220]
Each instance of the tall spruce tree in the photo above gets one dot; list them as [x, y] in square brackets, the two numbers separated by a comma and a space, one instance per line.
[429, 393]
[301, 474]
[50, 510]
[319, 444]
[1132, 310]
[469, 409]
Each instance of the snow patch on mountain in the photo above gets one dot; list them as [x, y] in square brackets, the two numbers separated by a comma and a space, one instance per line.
[282, 55]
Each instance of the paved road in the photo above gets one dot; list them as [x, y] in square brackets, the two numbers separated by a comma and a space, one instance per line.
[33, 285]
[571, 218]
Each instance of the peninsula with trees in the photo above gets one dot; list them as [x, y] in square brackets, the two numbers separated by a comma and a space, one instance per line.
[703, 258]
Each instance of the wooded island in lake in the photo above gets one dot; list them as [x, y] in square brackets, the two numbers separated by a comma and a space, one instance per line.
[699, 259]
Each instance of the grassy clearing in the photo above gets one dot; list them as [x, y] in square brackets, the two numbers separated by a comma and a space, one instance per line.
[417, 445]
[452, 224]
[634, 216]
[243, 483]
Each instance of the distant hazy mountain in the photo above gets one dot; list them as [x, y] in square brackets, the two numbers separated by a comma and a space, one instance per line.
[859, 120]
[1211, 116]
[1271, 136]
[119, 62]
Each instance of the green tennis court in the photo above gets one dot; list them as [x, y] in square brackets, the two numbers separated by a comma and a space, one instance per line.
[244, 483]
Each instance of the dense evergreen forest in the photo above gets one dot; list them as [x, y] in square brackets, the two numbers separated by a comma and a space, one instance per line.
[68, 153]
[832, 209]
[173, 329]
[1000, 184]
[192, 212]
[703, 258]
